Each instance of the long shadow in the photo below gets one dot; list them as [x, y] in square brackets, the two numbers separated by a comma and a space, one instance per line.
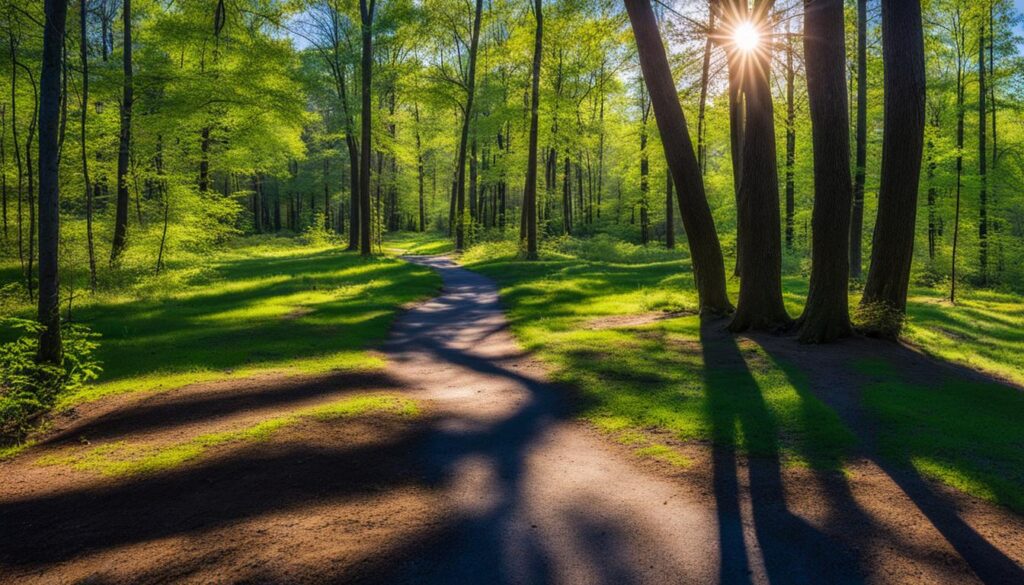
[475, 545]
[167, 413]
[989, 563]
[792, 550]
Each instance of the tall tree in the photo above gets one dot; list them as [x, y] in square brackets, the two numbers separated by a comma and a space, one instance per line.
[50, 351]
[902, 147]
[826, 315]
[982, 155]
[860, 166]
[366, 14]
[760, 303]
[467, 118]
[83, 48]
[670, 220]
[124, 145]
[529, 210]
[699, 225]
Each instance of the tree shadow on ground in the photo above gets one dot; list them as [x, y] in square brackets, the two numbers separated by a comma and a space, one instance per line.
[989, 563]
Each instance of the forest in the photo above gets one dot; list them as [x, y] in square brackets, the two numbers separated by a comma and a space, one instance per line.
[775, 247]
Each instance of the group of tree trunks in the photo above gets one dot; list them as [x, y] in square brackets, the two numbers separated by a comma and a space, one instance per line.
[838, 199]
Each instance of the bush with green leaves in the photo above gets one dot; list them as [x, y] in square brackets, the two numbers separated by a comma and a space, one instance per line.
[28, 389]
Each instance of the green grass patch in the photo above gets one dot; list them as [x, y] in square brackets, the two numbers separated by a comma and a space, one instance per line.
[122, 458]
[267, 307]
[420, 243]
[965, 434]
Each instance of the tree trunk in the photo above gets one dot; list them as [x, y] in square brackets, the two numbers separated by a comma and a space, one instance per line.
[705, 73]
[982, 161]
[705, 252]
[467, 117]
[760, 304]
[124, 148]
[670, 220]
[529, 210]
[84, 56]
[860, 169]
[419, 167]
[366, 10]
[50, 351]
[826, 315]
[790, 142]
[902, 145]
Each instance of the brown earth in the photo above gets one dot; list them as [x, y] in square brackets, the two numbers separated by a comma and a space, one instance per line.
[495, 483]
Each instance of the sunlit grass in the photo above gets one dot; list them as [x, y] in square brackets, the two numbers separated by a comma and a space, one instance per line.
[123, 458]
[421, 243]
[256, 307]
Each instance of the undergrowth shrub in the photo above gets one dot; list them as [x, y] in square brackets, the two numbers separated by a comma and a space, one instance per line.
[29, 390]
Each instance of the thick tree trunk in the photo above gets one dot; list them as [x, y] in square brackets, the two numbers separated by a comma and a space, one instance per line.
[529, 210]
[467, 117]
[705, 252]
[760, 304]
[860, 168]
[567, 199]
[50, 350]
[902, 145]
[826, 315]
[366, 10]
[124, 147]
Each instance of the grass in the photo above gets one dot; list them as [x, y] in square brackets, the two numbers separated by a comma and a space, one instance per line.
[964, 434]
[670, 376]
[122, 458]
[261, 306]
[420, 243]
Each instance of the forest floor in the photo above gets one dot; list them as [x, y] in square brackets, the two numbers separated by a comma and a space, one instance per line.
[618, 440]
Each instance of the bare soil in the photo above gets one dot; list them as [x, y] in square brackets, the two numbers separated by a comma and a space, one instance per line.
[495, 483]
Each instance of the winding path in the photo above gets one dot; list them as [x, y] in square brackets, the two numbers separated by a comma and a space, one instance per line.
[496, 482]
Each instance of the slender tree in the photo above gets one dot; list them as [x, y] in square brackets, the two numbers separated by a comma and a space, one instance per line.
[983, 226]
[670, 220]
[902, 146]
[705, 251]
[83, 48]
[860, 166]
[124, 147]
[366, 14]
[529, 211]
[467, 118]
[50, 351]
[826, 315]
[790, 140]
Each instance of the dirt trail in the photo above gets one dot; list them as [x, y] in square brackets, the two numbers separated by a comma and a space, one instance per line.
[497, 483]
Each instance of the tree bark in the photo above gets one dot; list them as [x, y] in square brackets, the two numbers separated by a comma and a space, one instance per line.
[366, 12]
[826, 315]
[705, 251]
[670, 220]
[860, 168]
[84, 57]
[982, 161]
[760, 304]
[530, 189]
[467, 117]
[902, 146]
[124, 148]
[50, 350]
[790, 141]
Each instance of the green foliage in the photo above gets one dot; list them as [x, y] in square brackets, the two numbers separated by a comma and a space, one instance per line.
[29, 390]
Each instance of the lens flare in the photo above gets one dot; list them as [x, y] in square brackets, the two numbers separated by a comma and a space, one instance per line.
[746, 37]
